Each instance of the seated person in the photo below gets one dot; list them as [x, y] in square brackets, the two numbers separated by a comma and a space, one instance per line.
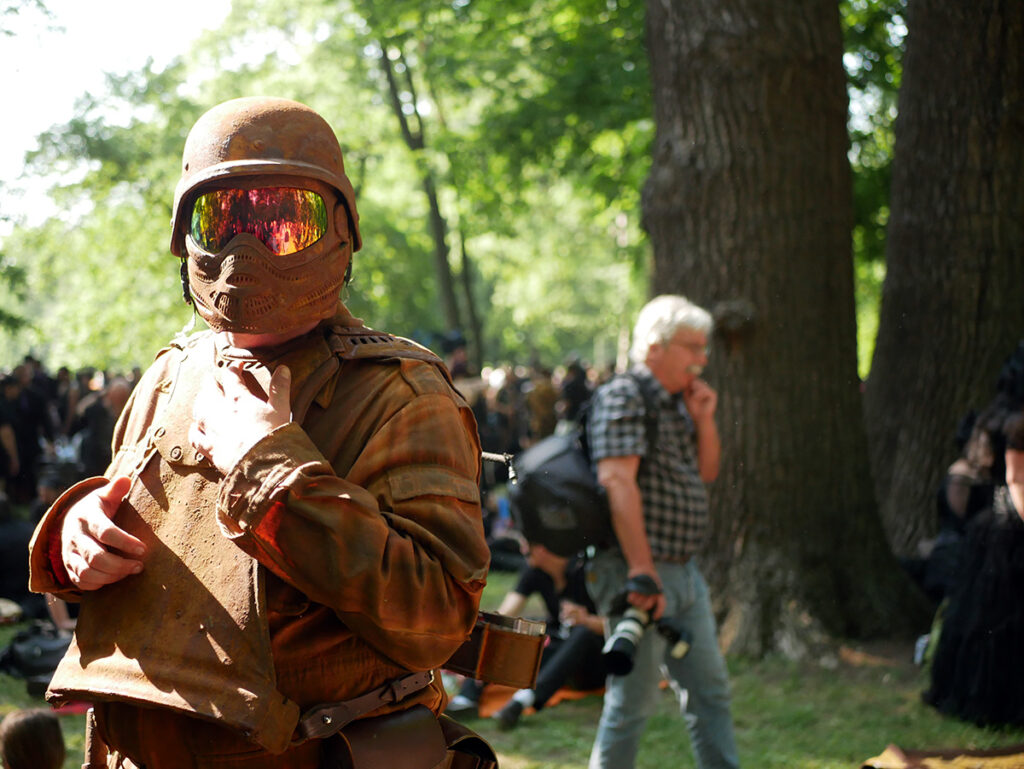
[572, 653]
[965, 490]
[977, 666]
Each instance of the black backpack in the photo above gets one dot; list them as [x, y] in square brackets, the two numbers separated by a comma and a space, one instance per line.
[33, 654]
[556, 500]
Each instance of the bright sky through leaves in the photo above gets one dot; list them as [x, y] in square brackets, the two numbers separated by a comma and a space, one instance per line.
[48, 63]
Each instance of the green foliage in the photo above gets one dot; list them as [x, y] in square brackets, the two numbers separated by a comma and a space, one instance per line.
[559, 85]
[88, 290]
[10, 11]
[536, 122]
[12, 292]
[868, 278]
[874, 31]
[95, 296]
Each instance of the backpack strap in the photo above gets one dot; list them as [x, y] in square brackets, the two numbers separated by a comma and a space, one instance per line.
[650, 414]
[650, 418]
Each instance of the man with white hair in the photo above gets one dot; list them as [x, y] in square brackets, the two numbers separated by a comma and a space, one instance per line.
[659, 507]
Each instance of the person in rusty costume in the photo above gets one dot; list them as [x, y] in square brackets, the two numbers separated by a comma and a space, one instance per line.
[289, 536]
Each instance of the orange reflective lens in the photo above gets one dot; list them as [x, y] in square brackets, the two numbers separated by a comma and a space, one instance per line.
[286, 219]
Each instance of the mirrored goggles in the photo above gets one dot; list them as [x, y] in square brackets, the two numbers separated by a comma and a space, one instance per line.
[286, 219]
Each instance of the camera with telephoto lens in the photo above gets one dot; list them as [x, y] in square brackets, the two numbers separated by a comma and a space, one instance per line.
[620, 649]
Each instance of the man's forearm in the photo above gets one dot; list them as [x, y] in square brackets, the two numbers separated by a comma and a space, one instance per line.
[626, 506]
[709, 450]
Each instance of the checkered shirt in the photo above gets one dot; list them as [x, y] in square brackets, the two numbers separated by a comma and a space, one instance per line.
[675, 498]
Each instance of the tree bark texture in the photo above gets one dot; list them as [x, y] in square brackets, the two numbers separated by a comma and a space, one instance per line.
[474, 326]
[748, 207]
[952, 307]
[416, 142]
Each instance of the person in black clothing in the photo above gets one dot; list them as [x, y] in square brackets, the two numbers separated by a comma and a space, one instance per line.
[15, 533]
[977, 668]
[97, 426]
[572, 654]
[9, 459]
[32, 426]
[965, 491]
[65, 398]
[575, 391]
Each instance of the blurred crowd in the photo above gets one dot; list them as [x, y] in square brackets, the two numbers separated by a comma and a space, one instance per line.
[55, 429]
[516, 406]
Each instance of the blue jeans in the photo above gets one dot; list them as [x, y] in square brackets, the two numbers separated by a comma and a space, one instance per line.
[700, 679]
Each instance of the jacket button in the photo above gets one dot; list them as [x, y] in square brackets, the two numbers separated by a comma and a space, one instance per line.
[160, 432]
[176, 452]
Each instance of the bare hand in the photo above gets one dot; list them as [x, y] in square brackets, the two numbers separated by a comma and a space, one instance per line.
[1015, 479]
[654, 605]
[573, 614]
[231, 414]
[96, 552]
[701, 401]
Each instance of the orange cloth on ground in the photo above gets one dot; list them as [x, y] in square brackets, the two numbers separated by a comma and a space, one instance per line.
[495, 696]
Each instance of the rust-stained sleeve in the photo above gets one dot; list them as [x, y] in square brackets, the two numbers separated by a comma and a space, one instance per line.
[396, 548]
[46, 566]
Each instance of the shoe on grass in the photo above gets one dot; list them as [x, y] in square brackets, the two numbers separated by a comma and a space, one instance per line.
[508, 716]
[461, 706]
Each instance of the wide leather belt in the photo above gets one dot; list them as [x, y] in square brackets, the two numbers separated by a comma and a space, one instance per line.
[327, 719]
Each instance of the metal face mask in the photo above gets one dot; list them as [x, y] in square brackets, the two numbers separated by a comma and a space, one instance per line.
[266, 258]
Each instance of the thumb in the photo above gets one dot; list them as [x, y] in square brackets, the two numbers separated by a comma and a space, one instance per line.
[115, 490]
[280, 389]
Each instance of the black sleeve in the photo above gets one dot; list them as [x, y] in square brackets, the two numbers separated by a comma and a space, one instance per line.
[533, 580]
[576, 585]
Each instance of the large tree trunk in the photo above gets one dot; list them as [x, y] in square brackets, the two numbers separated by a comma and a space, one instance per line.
[748, 207]
[952, 307]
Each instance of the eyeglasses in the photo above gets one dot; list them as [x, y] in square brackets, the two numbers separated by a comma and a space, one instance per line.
[286, 219]
[695, 347]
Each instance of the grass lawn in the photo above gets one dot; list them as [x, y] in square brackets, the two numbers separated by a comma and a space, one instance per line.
[788, 715]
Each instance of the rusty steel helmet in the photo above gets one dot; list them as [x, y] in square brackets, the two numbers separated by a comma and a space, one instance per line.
[241, 285]
[256, 136]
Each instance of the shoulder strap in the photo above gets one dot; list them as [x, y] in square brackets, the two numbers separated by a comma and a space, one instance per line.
[358, 343]
[650, 414]
[650, 418]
